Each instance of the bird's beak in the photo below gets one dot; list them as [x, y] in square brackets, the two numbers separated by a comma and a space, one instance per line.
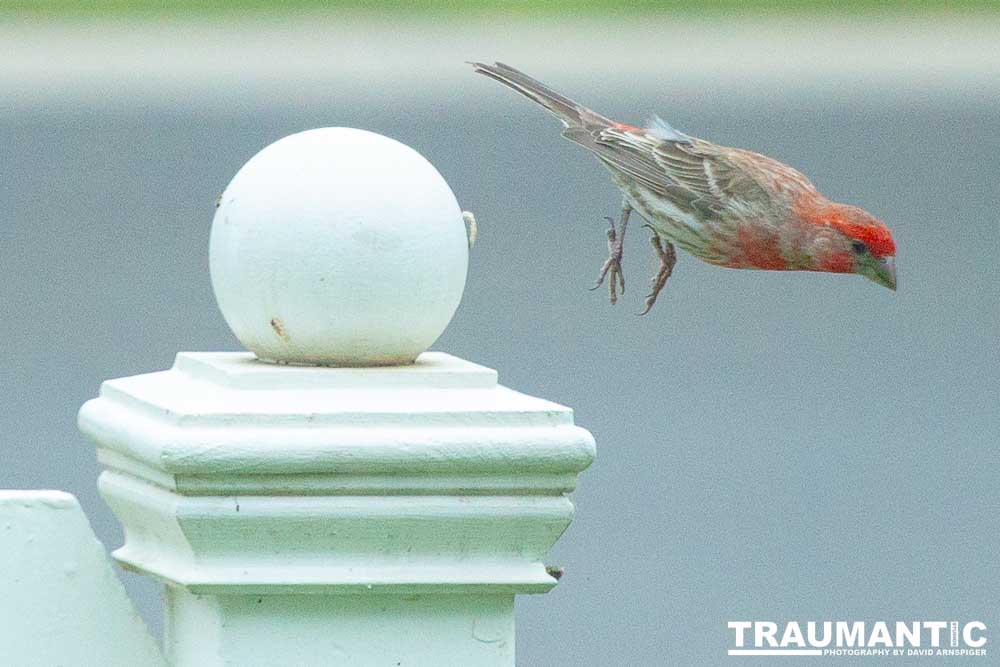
[880, 270]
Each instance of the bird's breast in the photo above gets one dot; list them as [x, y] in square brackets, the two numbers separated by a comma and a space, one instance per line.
[759, 246]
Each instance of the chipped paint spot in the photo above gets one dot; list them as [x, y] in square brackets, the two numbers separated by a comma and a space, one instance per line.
[279, 328]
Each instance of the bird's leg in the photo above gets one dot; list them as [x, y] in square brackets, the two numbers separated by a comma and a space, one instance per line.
[613, 264]
[668, 257]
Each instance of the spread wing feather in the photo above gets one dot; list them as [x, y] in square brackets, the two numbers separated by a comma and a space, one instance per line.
[697, 176]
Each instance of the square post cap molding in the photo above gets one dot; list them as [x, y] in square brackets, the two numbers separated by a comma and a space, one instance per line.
[235, 475]
[409, 503]
[406, 492]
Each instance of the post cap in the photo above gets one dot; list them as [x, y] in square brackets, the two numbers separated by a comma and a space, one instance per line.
[338, 247]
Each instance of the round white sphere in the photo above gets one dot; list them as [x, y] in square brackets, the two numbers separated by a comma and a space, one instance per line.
[338, 246]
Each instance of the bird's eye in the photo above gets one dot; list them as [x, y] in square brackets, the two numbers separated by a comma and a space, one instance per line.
[860, 247]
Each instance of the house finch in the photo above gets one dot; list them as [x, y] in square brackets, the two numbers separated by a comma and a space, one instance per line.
[727, 206]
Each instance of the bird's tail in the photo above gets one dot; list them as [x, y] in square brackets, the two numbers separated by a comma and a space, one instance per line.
[568, 111]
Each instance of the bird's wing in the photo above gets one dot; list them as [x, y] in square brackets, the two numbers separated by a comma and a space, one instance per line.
[718, 183]
[625, 150]
[696, 175]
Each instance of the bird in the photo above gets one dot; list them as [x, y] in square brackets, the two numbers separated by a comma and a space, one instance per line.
[726, 206]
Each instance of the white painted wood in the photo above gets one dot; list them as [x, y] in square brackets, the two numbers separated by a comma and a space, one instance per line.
[428, 491]
[341, 631]
[60, 601]
[355, 515]
[338, 246]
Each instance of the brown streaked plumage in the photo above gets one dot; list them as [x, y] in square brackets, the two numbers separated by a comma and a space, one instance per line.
[727, 206]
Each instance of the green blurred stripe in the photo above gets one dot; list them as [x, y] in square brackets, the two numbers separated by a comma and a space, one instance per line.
[183, 7]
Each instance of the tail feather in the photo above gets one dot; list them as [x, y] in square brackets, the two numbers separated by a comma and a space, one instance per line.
[568, 111]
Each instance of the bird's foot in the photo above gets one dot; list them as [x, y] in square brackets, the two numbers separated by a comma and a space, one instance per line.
[668, 257]
[613, 264]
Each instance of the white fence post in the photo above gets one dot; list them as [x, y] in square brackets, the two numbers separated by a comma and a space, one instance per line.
[60, 601]
[354, 515]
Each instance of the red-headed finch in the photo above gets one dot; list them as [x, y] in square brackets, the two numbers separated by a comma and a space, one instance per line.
[727, 206]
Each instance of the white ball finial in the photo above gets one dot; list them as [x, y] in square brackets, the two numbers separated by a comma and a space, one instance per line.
[338, 246]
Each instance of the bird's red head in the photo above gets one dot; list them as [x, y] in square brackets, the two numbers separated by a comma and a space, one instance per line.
[851, 240]
[862, 227]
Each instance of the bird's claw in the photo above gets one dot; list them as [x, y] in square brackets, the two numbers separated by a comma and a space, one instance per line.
[668, 257]
[613, 264]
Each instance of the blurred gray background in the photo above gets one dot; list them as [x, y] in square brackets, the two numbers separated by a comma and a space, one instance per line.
[770, 446]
